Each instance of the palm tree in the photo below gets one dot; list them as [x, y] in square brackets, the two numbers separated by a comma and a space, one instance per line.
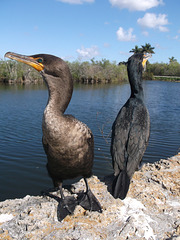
[147, 48]
[136, 49]
[172, 60]
[144, 49]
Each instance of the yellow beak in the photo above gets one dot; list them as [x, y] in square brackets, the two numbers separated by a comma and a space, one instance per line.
[25, 59]
[145, 58]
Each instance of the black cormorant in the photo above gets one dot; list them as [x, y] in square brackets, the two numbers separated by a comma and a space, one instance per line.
[68, 143]
[130, 130]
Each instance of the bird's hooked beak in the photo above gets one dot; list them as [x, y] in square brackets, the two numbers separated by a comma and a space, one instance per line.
[33, 62]
[146, 56]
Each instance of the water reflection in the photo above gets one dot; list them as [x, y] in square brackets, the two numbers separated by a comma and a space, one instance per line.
[22, 157]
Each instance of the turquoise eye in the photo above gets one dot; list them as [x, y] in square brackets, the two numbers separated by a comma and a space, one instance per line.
[39, 60]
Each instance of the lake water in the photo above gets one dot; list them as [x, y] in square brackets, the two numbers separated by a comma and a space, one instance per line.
[22, 158]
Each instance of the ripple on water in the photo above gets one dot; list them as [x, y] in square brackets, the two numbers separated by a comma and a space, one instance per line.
[22, 158]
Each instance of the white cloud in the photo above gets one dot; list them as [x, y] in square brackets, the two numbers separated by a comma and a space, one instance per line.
[136, 5]
[151, 20]
[124, 35]
[76, 1]
[158, 46]
[145, 33]
[68, 57]
[88, 52]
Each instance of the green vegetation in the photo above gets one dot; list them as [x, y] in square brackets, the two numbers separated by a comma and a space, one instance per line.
[98, 71]
[144, 49]
[159, 71]
[102, 71]
[16, 72]
[163, 71]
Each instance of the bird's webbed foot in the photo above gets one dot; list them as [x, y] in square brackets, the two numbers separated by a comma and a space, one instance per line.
[66, 204]
[66, 207]
[88, 201]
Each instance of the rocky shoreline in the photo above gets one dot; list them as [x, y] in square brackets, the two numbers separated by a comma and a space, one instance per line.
[150, 211]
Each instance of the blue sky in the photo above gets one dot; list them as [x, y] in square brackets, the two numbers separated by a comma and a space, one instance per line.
[85, 29]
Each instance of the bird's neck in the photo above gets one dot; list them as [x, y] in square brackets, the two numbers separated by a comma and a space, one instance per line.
[59, 94]
[137, 92]
[135, 80]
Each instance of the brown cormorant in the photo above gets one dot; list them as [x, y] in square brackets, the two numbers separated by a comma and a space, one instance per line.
[68, 143]
[130, 130]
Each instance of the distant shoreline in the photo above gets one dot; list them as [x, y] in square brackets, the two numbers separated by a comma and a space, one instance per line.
[167, 78]
[89, 81]
[92, 72]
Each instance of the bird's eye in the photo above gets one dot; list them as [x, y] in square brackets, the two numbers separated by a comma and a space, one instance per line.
[39, 60]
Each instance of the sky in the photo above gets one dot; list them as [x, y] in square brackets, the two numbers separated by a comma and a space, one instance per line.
[86, 29]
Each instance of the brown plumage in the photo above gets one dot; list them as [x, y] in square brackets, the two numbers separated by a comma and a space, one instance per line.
[68, 143]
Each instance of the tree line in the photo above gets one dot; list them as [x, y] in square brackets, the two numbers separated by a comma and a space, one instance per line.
[102, 71]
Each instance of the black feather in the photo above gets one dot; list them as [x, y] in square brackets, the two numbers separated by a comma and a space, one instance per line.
[130, 131]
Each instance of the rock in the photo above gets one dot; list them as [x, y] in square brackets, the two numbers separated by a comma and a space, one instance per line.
[150, 210]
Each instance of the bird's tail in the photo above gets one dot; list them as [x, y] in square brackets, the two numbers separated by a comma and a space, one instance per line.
[121, 185]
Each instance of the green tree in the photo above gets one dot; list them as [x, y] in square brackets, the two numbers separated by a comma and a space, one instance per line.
[136, 49]
[172, 60]
[147, 48]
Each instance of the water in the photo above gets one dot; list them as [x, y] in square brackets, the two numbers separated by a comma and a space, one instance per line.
[22, 158]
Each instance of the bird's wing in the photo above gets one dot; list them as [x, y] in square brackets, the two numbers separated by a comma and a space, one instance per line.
[130, 134]
[137, 139]
[120, 130]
